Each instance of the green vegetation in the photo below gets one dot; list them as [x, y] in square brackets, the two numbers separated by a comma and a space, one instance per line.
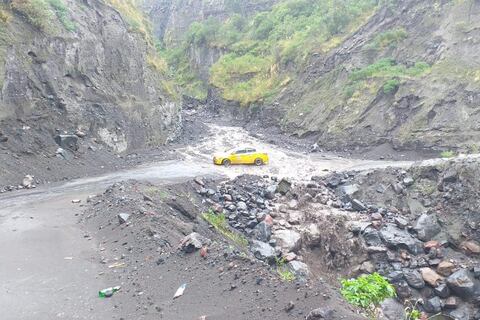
[219, 222]
[61, 11]
[41, 13]
[260, 48]
[388, 39]
[283, 271]
[386, 70]
[367, 292]
[134, 17]
[448, 154]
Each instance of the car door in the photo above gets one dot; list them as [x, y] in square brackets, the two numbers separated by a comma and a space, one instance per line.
[250, 156]
[238, 156]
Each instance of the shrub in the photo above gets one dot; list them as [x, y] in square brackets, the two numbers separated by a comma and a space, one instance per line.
[367, 292]
[447, 154]
[219, 223]
[37, 12]
[61, 11]
[390, 86]
[388, 38]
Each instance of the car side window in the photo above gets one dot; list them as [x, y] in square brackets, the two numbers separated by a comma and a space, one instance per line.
[241, 151]
[250, 150]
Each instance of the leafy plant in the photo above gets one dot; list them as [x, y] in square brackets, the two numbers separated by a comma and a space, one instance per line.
[447, 154]
[61, 11]
[367, 292]
[390, 86]
[283, 271]
[219, 223]
[389, 38]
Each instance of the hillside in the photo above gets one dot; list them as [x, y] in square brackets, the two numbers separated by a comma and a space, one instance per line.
[359, 73]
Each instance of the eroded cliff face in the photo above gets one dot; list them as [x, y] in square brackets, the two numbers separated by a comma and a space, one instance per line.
[434, 108]
[85, 70]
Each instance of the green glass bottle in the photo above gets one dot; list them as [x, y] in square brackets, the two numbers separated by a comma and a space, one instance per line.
[108, 292]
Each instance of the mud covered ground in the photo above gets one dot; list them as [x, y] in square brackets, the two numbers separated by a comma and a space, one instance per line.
[144, 255]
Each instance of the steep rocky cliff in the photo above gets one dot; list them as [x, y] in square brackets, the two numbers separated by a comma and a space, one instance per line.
[79, 65]
[356, 73]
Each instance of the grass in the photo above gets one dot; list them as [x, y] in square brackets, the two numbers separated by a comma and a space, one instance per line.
[154, 191]
[386, 70]
[219, 223]
[448, 154]
[134, 17]
[389, 38]
[285, 274]
[42, 13]
[258, 47]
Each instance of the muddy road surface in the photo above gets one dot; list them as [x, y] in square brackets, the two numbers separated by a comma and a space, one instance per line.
[50, 267]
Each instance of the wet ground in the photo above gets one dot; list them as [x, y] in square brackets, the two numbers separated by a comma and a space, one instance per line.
[49, 269]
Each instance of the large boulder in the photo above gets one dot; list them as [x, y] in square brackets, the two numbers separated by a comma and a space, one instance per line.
[400, 239]
[392, 310]
[321, 314]
[67, 141]
[263, 251]
[461, 284]
[263, 231]
[433, 305]
[414, 278]
[300, 269]
[288, 240]
[284, 186]
[193, 242]
[431, 277]
[427, 227]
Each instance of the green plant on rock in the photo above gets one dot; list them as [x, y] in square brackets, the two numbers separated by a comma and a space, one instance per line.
[367, 292]
[448, 154]
[283, 271]
[390, 86]
[219, 223]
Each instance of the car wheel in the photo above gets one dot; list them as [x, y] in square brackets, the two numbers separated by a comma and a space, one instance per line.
[258, 162]
[226, 162]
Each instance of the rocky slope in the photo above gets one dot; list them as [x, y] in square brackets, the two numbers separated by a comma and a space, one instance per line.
[71, 67]
[398, 73]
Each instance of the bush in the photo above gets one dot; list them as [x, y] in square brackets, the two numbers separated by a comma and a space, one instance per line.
[390, 86]
[448, 154]
[367, 292]
[388, 38]
[61, 11]
[37, 12]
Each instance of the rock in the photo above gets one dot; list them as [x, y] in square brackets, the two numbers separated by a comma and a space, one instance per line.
[295, 217]
[367, 267]
[408, 181]
[445, 268]
[357, 205]
[123, 217]
[293, 204]
[400, 239]
[199, 181]
[392, 310]
[288, 240]
[403, 290]
[348, 192]
[3, 138]
[63, 154]
[283, 186]
[427, 227]
[433, 305]
[451, 303]
[450, 175]
[81, 134]
[193, 242]
[376, 216]
[67, 141]
[28, 181]
[470, 247]
[462, 313]
[263, 251]
[431, 277]
[300, 269]
[270, 192]
[476, 272]
[414, 278]
[263, 231]
[442, 290]
[320, 314]
[242, 206]
[289, 307]
[461, 284]
[312, 234]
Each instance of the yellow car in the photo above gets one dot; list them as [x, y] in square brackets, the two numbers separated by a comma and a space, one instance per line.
[245, 155]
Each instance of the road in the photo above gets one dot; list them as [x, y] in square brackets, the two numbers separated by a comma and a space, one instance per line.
[50, 268]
